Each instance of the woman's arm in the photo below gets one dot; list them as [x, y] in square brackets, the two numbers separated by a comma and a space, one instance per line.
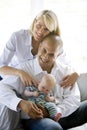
[69, 80]
[25, 77]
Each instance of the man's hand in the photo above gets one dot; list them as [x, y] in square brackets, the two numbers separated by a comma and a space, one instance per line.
[30, 109]
[44, 110]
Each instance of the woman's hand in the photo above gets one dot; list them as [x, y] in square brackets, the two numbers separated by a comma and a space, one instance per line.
[69, 80]
[26, 78]
[44, 110]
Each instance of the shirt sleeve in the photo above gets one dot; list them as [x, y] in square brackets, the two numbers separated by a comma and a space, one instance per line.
[8, 97]
[8, 51]
[11, 89]
[69, 100]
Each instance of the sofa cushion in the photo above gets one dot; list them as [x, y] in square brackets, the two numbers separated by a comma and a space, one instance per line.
[82, 83]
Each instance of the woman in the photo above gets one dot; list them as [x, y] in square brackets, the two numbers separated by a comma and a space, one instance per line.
[23, 45]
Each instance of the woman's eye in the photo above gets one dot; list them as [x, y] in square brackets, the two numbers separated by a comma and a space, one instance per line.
[45, 29]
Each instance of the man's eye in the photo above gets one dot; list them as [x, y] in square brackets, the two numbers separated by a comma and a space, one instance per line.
[44, 50]
[51, 55]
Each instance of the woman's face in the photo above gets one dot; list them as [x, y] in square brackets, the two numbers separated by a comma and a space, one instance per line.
[40, 30]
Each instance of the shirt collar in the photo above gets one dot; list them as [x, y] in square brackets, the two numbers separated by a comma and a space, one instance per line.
[39, 70]
[38, 67]
[29, 43]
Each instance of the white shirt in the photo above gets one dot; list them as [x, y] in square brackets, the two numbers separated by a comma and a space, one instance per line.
[17, 49]
[67, 100]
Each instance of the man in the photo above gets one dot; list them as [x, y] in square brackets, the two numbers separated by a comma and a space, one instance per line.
[11, 89]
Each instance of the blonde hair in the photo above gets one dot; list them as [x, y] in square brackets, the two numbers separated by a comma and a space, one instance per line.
[49, 78]
[50, 20]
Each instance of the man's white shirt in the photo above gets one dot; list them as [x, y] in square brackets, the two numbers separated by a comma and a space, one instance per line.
[67, 100]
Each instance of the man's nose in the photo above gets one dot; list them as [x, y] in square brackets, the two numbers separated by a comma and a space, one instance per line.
[46, 56]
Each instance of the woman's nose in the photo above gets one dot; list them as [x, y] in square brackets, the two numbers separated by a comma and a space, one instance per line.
[41, 30]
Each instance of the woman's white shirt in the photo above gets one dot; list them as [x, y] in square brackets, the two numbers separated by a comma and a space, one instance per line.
[17, 49]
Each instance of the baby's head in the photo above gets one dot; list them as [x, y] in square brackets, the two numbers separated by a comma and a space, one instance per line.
[47, 83]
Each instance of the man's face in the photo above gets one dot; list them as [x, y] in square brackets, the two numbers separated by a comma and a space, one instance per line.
[47, 54]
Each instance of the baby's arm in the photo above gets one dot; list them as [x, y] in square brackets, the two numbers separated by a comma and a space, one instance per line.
[50, 98]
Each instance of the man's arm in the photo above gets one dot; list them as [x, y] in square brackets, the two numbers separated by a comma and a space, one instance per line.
[9, 98]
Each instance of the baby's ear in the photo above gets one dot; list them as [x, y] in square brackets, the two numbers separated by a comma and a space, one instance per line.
[38, 82]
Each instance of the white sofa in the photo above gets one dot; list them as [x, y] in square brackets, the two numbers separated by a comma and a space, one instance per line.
[82, 83]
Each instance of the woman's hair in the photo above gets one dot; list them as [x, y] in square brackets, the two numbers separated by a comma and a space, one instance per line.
[50, 19]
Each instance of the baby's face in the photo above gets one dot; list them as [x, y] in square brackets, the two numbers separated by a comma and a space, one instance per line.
[45, 87]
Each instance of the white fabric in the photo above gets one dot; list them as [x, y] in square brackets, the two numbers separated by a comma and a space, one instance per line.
[17, 49]
[68, 101]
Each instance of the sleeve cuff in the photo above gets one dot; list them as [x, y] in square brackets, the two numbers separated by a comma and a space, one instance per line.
[14, 103]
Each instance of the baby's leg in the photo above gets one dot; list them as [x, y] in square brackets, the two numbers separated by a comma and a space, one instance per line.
[53, 112]
[58, 116]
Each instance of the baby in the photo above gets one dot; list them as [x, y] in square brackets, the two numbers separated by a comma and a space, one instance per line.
[41, 95]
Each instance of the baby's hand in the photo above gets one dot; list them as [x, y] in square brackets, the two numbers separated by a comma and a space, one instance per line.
[35, 94]
[50, 99]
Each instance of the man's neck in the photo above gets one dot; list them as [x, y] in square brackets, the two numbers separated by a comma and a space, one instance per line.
[48, 69]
